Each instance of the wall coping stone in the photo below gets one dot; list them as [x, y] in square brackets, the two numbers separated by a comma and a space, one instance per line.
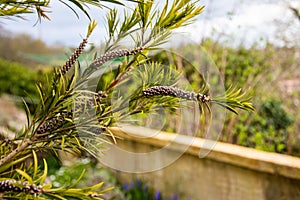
[273, 163]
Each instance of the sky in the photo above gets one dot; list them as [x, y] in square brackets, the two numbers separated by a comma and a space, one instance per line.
[238, 21]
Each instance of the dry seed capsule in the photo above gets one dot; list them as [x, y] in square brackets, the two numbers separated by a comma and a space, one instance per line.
[175, 92]
[52, 124]
[10, 185]
[112, 55]
[73, 58]
[99, 96]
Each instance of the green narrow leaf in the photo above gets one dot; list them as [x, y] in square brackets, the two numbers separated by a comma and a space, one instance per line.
[73, 80]
[97, 186]
[79, 178]
[70, 7]
[209, 110]
[63, 143]
[57, 196]
[118, 2]
[77, 142]
[35, 164]
[40, 91]
[106, 190]
[25, 175]
[27, 112]
[10, 164]
[231, 109]
[44, 176]
[47, 186]
[91, 27]
[162, 14]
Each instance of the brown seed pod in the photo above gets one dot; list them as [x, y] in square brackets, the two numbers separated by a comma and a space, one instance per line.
[18, 186]
[73, 58]
[112, 55]
[53, 123]
[175, 92]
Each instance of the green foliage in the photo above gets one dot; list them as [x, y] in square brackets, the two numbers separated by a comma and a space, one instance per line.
[19, 80]
[72, 117]
[147, 25]
[70, 174]
[17, 8]
[275, 115]
[23, 48]
[268, 130]
[11, 8]
[28, 182]
[234, 98]
[254, 69]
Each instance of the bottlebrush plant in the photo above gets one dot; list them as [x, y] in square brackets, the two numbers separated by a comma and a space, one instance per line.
[75, 111]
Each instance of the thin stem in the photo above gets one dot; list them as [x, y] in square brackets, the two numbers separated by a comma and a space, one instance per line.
[12, 154]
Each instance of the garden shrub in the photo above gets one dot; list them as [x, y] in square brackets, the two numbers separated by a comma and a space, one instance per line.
[16, 79]
[267, 129]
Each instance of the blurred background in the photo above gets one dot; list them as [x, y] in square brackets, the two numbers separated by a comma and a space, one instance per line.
[255, 44]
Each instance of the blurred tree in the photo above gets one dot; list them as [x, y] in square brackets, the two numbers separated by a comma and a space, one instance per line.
[15, 47]
[262, 70]
[15, 79]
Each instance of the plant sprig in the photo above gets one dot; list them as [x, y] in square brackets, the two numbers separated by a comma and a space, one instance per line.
[148, 26]
[14, 8]
[72, 118]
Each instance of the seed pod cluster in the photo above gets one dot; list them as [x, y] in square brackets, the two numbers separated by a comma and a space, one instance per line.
[18, 186]
[175, 92]
[112, 55]
[83, 105]
[86, 105]
[53, 123]
[99, 96]
[98, 131]
[73, 58]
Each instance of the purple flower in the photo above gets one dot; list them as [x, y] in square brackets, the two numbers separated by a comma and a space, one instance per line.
[145, 188]
[138, 183]
[157, 195]
[175, 197]
[125, 187]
